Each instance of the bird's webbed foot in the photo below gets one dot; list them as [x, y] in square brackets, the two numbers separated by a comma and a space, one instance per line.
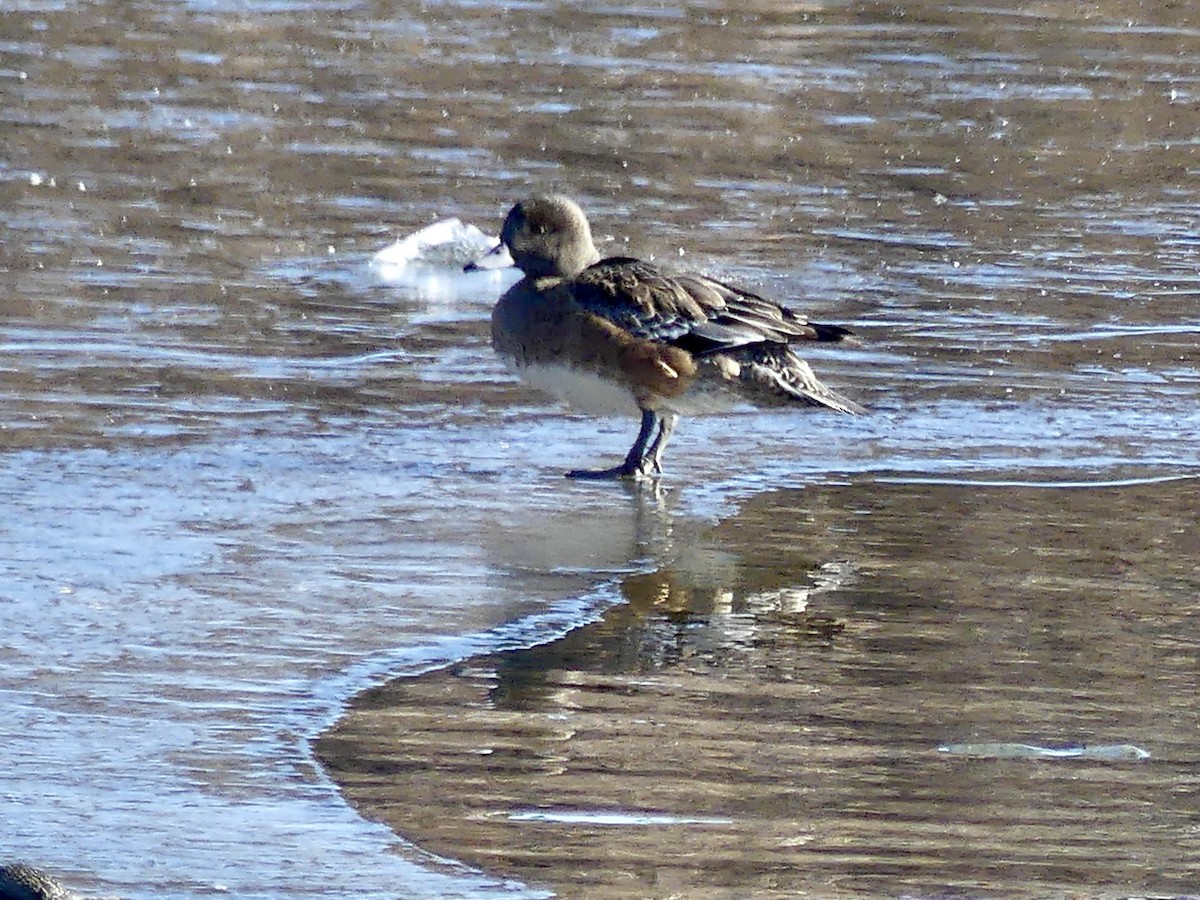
[644, 460]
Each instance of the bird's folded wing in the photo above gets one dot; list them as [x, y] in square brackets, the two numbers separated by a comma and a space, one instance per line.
[697, 314]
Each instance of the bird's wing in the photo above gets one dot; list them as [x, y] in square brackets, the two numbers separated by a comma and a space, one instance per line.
[697, 314]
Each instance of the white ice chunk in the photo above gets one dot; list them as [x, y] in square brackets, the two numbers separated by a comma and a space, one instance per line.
[446, 245]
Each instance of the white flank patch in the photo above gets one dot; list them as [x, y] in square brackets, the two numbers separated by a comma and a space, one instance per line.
[581, 389]
[588, 392]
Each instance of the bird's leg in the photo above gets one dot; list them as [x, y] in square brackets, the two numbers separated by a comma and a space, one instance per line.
[643, 457]
[652, 461]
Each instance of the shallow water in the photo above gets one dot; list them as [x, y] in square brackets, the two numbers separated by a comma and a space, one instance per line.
[243, 479]
[805, 700]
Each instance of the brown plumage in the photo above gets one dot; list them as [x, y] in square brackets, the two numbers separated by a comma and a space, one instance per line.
[620, 334]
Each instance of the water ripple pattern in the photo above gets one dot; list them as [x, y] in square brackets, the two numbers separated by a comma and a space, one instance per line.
[246, 474]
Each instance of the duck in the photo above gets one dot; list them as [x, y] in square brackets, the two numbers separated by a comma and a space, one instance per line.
[623, 335]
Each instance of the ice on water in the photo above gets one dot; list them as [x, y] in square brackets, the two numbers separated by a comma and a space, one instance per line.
[432, 259]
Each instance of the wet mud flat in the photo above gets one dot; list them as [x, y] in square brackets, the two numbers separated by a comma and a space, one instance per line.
[762, 715]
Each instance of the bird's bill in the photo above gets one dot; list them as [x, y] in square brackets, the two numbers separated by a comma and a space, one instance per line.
[496, 258]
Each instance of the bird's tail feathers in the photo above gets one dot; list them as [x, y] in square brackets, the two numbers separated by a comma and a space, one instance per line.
[835, 333]
[794, 379]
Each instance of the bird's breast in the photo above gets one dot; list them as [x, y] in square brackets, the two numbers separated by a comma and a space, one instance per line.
[580, 357]
[581, 388]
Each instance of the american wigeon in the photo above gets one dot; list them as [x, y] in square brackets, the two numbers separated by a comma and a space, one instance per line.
[619, 334]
